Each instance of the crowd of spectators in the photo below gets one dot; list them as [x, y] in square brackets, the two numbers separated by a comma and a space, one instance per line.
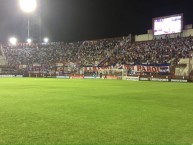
[86, 53]
[152, 52]
[100, 52]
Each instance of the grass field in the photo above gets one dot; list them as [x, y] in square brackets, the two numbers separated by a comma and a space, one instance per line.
[52, 111]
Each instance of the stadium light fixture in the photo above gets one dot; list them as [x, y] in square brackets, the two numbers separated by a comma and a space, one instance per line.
[46, 40]
[29, 40]
[28, 6]
[13, 40]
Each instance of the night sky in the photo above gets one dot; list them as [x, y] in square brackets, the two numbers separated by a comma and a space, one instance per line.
[77, 20]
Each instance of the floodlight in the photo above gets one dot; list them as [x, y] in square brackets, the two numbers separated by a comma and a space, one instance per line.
[29, 40]
[28, 6]
[13, 40]
[46, 40]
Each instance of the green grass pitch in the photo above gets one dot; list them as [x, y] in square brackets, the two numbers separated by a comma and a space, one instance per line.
[55, 111]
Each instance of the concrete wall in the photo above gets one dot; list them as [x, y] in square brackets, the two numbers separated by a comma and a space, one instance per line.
[187, 33]
[184, 71]
[148, 37]
[143, 37]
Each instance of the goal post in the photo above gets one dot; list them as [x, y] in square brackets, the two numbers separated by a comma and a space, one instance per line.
[114, 73]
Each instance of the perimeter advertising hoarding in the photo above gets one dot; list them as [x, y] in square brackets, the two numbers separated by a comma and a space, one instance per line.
[168, 25]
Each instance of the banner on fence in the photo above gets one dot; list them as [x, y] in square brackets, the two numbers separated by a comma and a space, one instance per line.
[135, 68]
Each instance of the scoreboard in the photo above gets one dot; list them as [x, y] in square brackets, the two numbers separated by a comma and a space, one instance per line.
[168, 24]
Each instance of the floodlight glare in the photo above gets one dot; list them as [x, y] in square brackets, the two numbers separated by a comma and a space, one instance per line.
[13, 40]
[46, 40]
[28, 6]
[29, 40]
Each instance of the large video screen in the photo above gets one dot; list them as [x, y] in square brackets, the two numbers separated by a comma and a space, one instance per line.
[168, 25]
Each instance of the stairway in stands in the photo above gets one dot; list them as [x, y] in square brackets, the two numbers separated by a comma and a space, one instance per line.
[3, 61]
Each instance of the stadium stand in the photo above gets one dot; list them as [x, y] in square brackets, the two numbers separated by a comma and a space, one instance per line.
[104, 52]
